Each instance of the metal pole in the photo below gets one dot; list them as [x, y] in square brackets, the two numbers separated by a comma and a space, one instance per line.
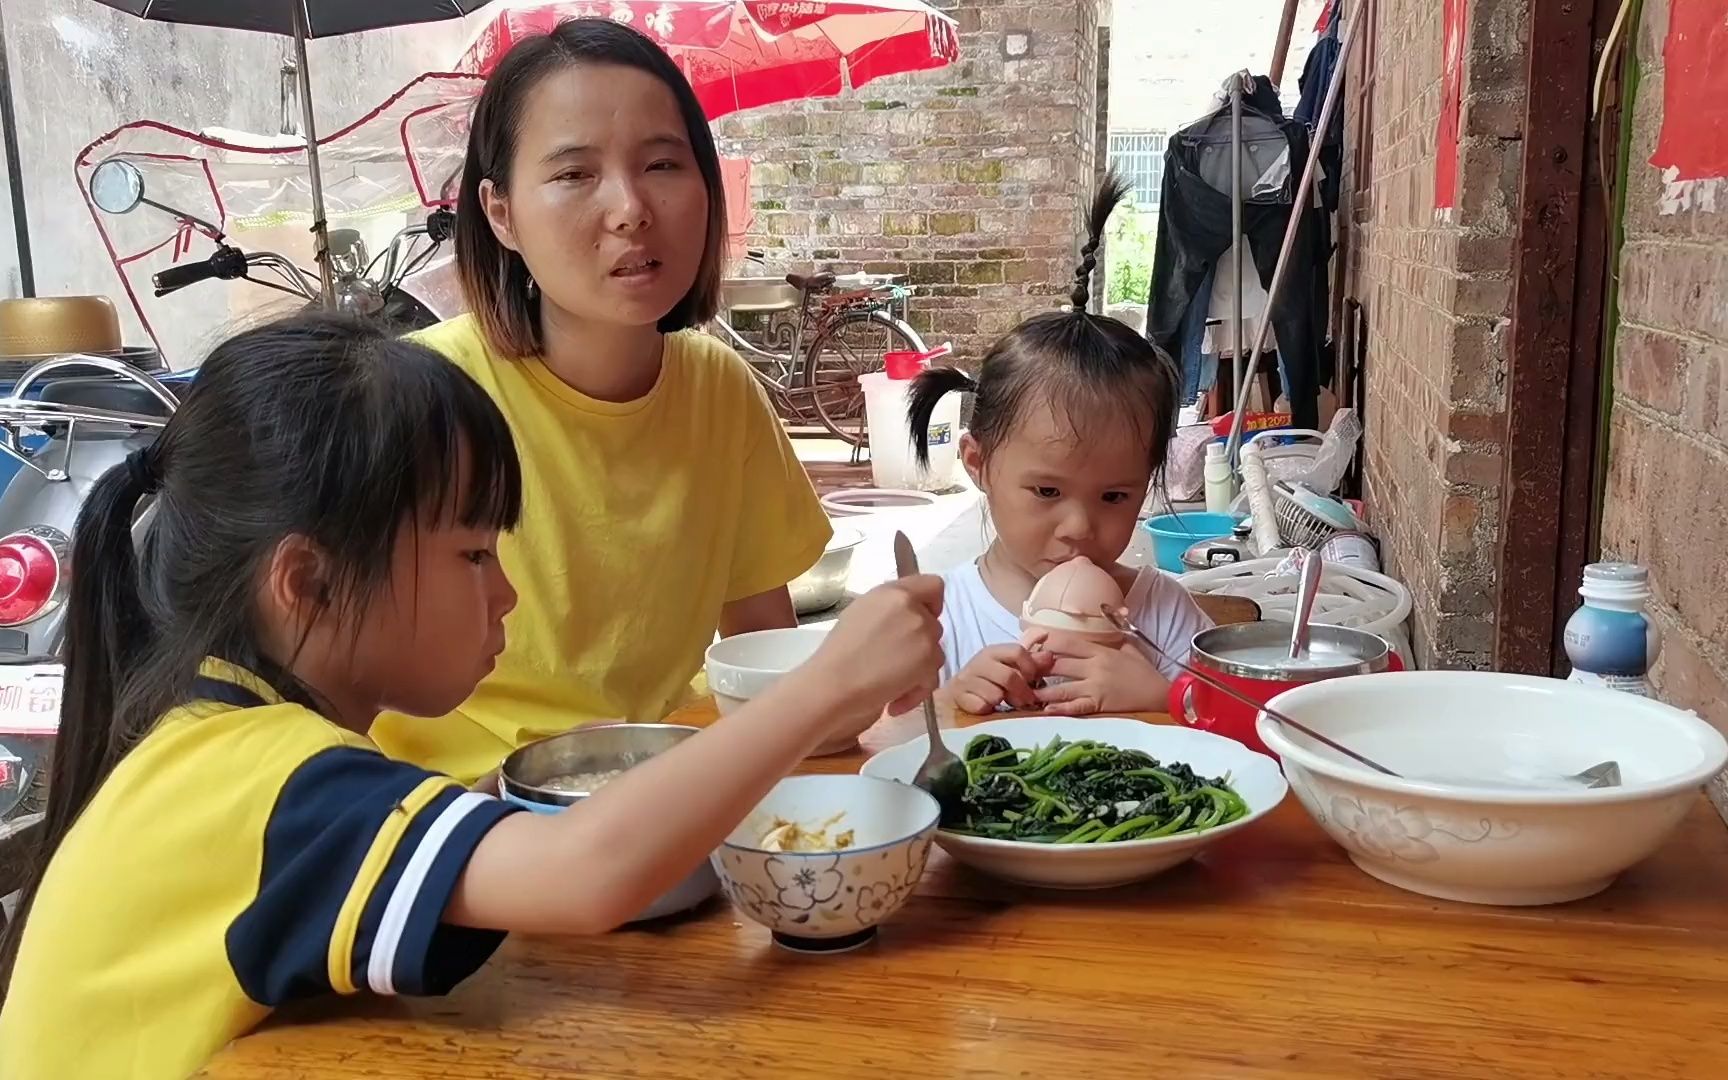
[320, 228]
[1298, 207]
[15, 173]
[1236, 227]
[1281, 46]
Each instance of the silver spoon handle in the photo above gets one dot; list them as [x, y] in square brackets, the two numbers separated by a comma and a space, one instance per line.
[1307, 589]
[906, 565]
[1231, 692]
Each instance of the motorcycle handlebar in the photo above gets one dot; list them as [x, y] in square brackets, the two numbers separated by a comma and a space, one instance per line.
[178, 277]
[226, 262]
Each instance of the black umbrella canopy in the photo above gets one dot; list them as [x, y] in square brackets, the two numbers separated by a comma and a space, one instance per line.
[324, 18]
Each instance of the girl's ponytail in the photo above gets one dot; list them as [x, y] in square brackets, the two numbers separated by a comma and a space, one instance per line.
[1104, 202]
[930, 387]
[107, 634]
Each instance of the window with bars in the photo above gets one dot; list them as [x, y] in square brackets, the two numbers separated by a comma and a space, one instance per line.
[1139, 157]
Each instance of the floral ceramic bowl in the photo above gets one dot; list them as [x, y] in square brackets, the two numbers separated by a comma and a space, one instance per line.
[1481, 811]
[876, 836]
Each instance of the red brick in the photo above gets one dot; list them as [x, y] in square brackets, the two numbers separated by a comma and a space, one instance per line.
[1458, 523]
[1650, 368]
[1690, 674]
[1675, 287]
[1473, 426]
[1476, 468]
[1707, 391]
[1667, 501]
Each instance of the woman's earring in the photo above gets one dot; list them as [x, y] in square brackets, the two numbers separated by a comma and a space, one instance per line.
[533, 287]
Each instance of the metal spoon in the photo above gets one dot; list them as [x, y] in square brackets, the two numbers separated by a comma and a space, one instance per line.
[1606, 774]
[943, 774]
[1306, 591]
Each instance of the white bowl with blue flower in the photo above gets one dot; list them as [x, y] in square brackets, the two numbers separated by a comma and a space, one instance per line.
[823, 860]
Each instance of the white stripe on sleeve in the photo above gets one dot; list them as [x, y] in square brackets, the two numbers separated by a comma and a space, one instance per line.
[382, 963]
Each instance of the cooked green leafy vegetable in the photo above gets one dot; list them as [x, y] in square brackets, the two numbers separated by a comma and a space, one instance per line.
[1084, 792]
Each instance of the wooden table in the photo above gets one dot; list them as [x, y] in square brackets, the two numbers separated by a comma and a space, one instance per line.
[1271, 957]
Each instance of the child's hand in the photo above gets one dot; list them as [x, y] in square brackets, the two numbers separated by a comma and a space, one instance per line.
[1100, 678]
[885, 648]
[997, 674]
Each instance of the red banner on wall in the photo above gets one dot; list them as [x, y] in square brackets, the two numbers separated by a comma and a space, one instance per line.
[1455, 27]
[1694, 138]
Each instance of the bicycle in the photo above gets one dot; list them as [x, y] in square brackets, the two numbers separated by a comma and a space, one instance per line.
[844, 327]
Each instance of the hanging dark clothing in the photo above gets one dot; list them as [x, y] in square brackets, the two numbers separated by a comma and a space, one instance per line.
[1316, 76]
[1194, 232]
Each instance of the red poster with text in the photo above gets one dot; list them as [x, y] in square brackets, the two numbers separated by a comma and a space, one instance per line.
[1451, 104]
[1694, 138]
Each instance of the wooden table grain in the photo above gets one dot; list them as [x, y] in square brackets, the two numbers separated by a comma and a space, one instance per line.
[1270, 957]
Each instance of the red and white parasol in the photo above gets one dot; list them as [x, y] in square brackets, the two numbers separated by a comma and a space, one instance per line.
[742, 54]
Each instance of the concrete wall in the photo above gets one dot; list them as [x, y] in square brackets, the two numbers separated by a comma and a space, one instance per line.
[1437, 293]
[80, 69]
[1667, 500]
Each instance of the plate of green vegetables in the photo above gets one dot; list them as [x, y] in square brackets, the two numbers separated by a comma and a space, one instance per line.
[1087, 803]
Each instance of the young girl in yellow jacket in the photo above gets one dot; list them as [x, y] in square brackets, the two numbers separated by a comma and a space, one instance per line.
[221, 836]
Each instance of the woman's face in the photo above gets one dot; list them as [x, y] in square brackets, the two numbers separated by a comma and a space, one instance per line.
[606, 204]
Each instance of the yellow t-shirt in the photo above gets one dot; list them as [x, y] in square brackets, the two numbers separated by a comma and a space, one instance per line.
[639, 521]
[247, 852]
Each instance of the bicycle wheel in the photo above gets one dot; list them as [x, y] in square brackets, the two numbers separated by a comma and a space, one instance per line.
[852, 345]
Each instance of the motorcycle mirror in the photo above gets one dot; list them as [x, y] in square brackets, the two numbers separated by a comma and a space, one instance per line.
[117, 187]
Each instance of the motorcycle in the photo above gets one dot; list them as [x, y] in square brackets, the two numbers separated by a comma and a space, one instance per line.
[67, 420]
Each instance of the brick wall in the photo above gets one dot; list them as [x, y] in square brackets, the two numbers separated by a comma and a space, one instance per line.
[1437, 293]
[971, 179]
[1667, 499]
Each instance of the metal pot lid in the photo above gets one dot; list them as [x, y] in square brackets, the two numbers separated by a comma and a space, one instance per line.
[1260, 650]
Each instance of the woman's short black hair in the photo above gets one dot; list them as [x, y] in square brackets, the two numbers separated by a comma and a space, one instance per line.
[494, 278]
[1084, 366]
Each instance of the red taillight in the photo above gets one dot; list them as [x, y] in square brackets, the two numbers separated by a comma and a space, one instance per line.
[29, 577]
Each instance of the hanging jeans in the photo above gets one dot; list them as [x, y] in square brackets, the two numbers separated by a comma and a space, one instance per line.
[1199, 368]
[1194, 233]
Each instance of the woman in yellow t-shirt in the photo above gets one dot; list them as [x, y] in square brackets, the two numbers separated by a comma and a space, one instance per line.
[662, 500]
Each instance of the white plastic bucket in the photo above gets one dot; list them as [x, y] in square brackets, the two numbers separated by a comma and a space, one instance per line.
[892, 464]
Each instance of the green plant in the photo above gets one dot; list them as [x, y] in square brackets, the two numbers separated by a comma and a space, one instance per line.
[1128, 249]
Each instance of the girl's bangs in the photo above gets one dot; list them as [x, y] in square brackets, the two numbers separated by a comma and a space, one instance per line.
[466, 469]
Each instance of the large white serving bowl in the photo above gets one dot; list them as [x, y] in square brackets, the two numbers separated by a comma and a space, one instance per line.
[1254, 776]
[1481, 813]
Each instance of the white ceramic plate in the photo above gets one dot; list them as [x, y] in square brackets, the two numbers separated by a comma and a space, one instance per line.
[1254, 776]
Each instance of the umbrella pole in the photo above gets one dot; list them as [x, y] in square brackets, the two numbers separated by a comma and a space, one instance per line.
[320, 228]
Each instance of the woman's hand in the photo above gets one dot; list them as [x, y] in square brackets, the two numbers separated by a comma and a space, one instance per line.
[1100, 678]
[1000, 673]
[886, 649]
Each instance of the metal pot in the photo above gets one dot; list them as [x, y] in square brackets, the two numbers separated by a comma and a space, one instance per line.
[1222, 551]
[1253, 659]
[594, 748]
[824, 585]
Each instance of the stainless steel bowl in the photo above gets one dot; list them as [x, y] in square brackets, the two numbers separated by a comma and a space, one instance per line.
[824, 585]
[596, 748]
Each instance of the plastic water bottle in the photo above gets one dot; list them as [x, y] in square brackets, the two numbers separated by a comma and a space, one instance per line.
[1220, 480]
[1610, 640]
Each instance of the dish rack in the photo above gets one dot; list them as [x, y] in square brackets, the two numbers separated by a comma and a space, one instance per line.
[1306, 519]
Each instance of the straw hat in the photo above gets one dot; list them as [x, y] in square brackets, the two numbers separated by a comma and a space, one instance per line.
[58, 324]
